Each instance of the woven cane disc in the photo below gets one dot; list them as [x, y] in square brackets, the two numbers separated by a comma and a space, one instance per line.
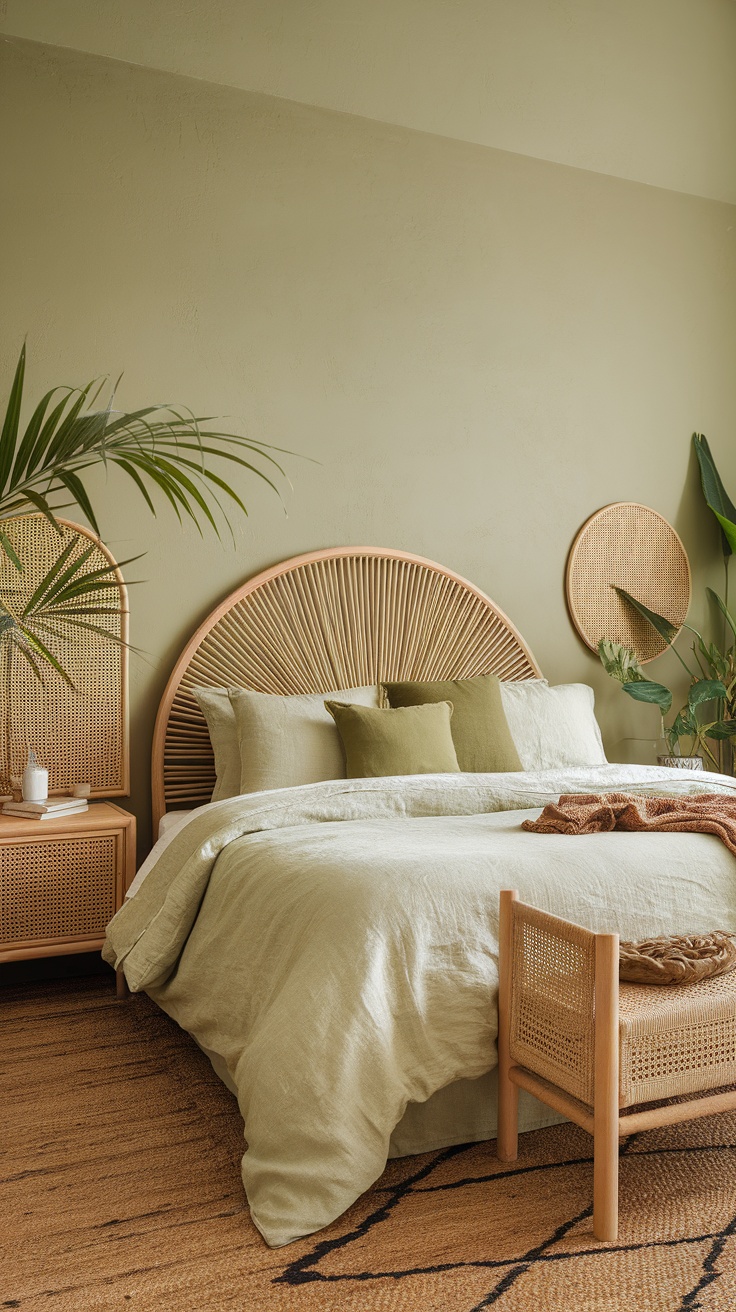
[677, 959]
[631, 547]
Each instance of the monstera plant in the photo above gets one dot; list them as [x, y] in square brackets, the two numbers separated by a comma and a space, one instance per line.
[706, 723]
[163, 450]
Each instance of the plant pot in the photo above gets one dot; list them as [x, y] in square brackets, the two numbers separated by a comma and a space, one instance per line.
[681, 762]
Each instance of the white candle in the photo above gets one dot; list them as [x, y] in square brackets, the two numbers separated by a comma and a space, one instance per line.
[35, 780]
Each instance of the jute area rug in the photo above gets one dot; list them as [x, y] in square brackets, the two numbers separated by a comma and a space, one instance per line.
[121, 1190]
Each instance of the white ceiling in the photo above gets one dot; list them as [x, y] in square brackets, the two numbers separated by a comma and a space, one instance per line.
[641, 89]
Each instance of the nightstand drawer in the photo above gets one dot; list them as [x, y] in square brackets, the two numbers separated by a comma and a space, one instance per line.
[62, 880]
[57, 888]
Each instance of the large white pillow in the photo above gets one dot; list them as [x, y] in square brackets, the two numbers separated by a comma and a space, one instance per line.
[294, 717]
[287, 741]
[553, 727]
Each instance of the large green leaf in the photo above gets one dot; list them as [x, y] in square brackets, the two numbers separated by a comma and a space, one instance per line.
[728, 533]
[723, 608]
[705, 690]
[647, 691]
[717, 663]
[664, 627]
[721, 729]
[684, 723]
[715, 494]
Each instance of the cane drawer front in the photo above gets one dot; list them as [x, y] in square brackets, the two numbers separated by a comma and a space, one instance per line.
[59, 888]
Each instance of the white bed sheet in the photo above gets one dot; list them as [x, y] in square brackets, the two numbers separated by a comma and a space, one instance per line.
[172, 820]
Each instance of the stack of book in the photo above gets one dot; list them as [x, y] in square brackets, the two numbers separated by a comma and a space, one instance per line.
[48, 810]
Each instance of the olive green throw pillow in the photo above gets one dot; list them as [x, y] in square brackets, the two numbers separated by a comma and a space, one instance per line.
[480, 729]
[411, 740]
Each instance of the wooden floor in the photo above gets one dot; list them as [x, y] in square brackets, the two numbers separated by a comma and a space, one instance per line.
[121, 1190]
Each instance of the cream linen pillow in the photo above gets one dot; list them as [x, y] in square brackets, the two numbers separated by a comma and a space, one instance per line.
[553, 727]
[214, 704]
[287, 741]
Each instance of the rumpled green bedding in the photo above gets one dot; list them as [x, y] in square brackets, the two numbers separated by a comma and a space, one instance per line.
[337, 945]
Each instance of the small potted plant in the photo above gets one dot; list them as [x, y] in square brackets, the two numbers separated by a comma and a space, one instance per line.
[686, 729]
[706, 725]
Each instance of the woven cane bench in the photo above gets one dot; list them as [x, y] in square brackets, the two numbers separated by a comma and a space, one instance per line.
[590, 1047]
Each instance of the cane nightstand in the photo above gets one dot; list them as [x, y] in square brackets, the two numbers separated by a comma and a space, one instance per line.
[62, 880]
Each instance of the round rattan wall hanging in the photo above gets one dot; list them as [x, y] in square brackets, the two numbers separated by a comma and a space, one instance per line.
[634, 548]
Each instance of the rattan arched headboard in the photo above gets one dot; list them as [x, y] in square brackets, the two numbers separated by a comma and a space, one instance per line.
[337, 618]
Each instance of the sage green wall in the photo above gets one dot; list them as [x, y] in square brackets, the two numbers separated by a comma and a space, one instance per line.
[480, 348]
[642, 89]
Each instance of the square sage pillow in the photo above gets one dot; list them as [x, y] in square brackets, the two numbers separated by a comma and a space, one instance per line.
[409, 740]
[480, 729]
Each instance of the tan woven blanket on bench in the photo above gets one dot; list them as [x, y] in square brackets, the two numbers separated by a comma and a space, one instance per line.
[597, 813]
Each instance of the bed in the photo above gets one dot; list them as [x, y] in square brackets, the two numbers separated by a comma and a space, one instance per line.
[332, 946]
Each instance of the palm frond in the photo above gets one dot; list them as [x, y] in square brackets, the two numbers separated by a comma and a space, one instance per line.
[158, 447]
[9, 434]
[68, 598]
[11, 552]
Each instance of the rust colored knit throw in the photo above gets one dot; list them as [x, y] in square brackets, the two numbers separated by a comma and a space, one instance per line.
[597, 813]
[677, 959]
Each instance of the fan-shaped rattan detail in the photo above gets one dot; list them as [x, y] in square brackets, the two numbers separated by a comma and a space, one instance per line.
[338, 618]
[80, 733]
[636, 549]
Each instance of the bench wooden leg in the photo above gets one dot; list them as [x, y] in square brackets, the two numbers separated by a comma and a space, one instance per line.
[605, 1110]
[507, 1141]
[121, 986]
[605, 1181]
